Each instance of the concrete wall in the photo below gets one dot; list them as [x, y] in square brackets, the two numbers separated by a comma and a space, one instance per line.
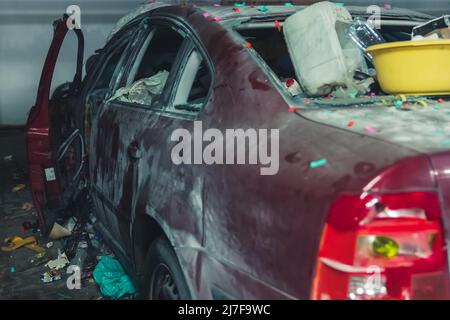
[25, 35]
[26, 32]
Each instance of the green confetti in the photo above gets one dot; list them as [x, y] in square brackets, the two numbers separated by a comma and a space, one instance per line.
[288, 4]
[239, 5]
[353, 95]
[263, 8]
[318, 163]
[13, 269]
[340, 4]
[398, 103]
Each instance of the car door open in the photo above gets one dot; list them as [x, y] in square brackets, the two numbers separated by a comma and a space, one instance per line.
[55, 147]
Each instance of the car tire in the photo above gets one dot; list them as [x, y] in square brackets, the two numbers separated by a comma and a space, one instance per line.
[163, 279]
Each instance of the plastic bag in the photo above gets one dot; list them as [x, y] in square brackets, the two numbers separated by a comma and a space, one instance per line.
[112, 279]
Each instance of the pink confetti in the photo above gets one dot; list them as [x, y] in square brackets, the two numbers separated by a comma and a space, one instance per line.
[350, 123]
[277, 25]
[205, 15]
[370, 129]
[217, 19]
[293, 109]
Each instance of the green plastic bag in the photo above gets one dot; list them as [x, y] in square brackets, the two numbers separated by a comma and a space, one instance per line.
[112, 279]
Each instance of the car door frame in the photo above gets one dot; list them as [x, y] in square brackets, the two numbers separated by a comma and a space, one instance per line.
[167, 113]
[42, 155]
[120, 38]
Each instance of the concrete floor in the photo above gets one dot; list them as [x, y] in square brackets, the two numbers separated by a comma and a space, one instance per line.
[18, 278]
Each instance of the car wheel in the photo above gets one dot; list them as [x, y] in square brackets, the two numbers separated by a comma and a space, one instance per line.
[164, 279]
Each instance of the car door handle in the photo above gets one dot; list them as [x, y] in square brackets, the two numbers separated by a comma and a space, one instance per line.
[134, 152]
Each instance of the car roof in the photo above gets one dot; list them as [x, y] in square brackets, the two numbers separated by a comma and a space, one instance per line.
[225, 13]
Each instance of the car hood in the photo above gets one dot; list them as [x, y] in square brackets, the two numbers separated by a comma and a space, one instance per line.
[424, 129]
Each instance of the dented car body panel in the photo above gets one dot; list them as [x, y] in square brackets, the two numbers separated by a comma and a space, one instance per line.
[236, 233]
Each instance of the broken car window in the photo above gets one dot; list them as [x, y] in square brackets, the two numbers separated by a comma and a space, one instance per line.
[98, 93]
[148, 77]
[194, 83]
[102, 86]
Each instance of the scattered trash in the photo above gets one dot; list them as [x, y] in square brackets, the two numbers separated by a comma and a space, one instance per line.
[58, 232]
[18, 187]
[363, 35]
[15, 242]
[438, 27]
[51, 276]
[12, 267]
[143, 91]
[59, 263]
[49, 244]
[324, 55]
[27, 225]
[39, 259]
[318, 163]
[398, 103]
[112, 279]
[8, 158]
[292, 86]
[27, 206]
[395, 75]
[81, 254]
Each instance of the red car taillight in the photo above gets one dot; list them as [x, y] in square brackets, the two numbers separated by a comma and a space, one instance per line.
[383, 247]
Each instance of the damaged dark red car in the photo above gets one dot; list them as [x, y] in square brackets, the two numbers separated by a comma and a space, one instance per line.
[352, 202]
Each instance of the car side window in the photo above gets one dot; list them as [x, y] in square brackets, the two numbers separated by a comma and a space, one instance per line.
[149, 75]
[103, 84]
[98, 93]
[194, 84]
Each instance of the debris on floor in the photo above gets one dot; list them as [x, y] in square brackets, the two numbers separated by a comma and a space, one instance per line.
[112, 279]
[32, 266]
[18, 187]
[59, 263]
[51, 276]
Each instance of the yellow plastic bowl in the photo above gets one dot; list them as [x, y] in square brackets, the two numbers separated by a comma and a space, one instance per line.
[413, 67]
